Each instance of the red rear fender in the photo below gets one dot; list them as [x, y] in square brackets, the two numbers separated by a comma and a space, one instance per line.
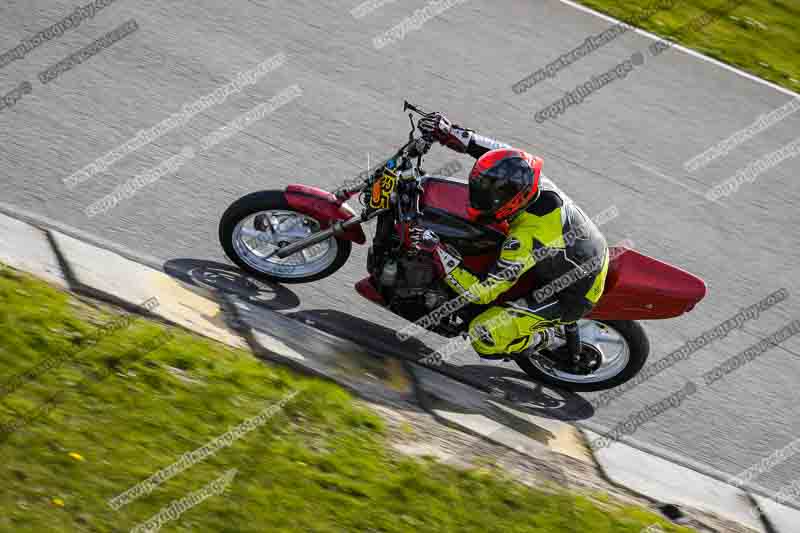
[324, 207]
[639, 287]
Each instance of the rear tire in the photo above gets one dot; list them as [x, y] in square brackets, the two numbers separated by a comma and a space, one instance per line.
[638, 347]
[258, 202]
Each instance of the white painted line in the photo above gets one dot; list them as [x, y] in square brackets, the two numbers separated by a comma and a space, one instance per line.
[684, 49]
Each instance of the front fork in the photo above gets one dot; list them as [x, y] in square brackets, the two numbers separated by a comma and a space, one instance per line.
[337, 228]
[381, 244]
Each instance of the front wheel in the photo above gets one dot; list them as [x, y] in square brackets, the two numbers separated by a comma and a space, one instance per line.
[619, 348]
[256, 225]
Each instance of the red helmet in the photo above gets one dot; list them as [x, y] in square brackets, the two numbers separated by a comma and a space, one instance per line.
[502, 183]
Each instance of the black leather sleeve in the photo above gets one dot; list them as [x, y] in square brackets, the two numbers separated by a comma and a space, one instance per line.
[479, 145]
[463, 140]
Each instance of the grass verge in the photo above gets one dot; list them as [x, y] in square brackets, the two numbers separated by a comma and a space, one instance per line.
[761, 37]
[107, 410]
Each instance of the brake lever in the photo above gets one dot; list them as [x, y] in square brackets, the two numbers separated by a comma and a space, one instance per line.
[415, 109]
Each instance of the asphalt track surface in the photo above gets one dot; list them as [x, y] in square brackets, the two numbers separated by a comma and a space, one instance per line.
[625, 146]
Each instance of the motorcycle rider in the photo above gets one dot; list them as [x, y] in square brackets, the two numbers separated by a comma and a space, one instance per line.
[548, 233]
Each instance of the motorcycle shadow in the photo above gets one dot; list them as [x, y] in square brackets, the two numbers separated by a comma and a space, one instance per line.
[507, 384]
[219, 277]
[519, 392]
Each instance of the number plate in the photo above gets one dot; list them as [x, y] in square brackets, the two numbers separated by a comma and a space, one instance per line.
[382, 189]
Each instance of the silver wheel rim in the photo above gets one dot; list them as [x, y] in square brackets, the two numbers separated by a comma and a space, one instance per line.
[283, 227]
[608, 341]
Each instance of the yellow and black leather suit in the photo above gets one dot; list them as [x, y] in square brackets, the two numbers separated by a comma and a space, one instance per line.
[554, 238]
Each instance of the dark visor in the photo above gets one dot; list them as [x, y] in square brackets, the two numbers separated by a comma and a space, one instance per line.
[499, 184]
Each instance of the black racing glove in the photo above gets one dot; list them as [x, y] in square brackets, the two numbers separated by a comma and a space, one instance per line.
[438, 128]
[434, 126]
[445, 258]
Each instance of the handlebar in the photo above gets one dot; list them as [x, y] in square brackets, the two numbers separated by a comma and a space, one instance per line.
[415, 148]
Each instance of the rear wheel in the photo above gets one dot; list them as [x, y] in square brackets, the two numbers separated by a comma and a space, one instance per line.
[613, 351]
[258, 224]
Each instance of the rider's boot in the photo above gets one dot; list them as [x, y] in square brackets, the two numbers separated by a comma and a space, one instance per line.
[541, 341]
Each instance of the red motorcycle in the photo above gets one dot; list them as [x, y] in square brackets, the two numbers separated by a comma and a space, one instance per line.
[303, 234]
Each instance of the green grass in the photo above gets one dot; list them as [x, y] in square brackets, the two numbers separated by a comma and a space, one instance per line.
[760, 36]
[321, 464]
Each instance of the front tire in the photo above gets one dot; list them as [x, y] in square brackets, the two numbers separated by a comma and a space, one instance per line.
[256, 224]
[622, 363]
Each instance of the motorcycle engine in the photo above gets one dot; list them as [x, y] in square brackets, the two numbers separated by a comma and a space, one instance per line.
[409, 284]
[417, 274]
